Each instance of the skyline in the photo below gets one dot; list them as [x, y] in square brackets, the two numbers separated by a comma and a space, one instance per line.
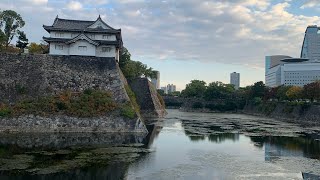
[188, 40]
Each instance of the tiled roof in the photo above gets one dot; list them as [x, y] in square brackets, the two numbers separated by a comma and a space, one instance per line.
[78, 25]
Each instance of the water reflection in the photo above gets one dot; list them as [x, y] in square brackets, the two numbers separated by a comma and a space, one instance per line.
[276, 147]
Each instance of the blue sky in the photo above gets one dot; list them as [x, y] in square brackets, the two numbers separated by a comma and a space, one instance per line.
[189, 39]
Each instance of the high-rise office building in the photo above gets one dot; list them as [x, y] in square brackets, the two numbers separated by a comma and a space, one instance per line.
[272, 76]
[171, 88]
[235, 79]
[311, 44]
[156, 81]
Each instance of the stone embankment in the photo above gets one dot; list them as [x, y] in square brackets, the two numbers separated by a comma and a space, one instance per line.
[305, 114]
[25, 77]
[151, 106]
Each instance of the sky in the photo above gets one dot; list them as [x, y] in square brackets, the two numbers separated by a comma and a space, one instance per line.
[188, 39]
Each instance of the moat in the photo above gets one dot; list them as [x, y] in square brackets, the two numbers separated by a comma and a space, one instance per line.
[180, 146]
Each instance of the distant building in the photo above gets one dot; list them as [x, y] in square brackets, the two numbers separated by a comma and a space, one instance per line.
[284, 70]
[165, 90]
[156, 81]
[273, 78]
[171, 88]
[293, 72]
[84, 38]
[311, 44]
[235, 79]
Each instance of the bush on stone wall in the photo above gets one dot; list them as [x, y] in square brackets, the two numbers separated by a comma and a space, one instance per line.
[85, 104]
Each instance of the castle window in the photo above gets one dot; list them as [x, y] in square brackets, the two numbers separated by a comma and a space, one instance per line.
[59, 47]
[59, 34]
[106, 49]
[92, 36]
[106, 36]
[82, 48]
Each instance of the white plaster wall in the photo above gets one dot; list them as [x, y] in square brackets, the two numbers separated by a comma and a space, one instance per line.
[74, 50]
[112, 53]
[65, 34]
[55, 51]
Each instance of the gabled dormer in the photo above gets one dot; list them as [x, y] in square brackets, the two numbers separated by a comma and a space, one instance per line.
[100, 24]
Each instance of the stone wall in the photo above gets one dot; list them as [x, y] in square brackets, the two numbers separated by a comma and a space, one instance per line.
[147, 98]
[303, 114]
[29, 76]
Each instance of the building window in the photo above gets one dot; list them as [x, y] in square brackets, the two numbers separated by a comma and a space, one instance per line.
[92, 36]
[82, 48]
[59, 34]
[106, 49]
[106, 36]
[59, 47]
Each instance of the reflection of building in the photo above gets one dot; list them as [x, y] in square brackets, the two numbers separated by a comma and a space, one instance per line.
[171, 88]
[84, 38]
[156, 81]
[235, 79]
[284, 70]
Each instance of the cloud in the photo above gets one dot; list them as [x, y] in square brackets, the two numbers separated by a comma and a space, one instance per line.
[232, 32]
[74, 5]
[310, 4]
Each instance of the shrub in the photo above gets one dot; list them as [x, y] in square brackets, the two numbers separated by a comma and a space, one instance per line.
[128, 111]
[197, 105]
[4, 111]
[133, 98]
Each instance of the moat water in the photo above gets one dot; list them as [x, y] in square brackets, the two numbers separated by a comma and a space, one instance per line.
[180, 146]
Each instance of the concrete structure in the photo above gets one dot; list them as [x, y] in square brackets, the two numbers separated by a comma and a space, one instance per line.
[272, 61]
[293, 72]
[311, 43]
[84, 38]
[171, 88]
[156, 81]
[235, 79]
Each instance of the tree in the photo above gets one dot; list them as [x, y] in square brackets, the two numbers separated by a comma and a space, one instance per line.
[22, 40]
[282, 92]
[195, 88]
[125, 57]
[257, 90]
[10, 22]
[218, 90]
[312, 90]
[294, 93]
[41, 48]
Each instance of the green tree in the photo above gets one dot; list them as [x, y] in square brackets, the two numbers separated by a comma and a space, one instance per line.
[22, 41]
[134, 69]
[195, 88]
[282, 92]
[258, 90]
[10, 22]
[218, 90]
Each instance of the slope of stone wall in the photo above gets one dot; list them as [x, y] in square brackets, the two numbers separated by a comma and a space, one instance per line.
[24, 76]
[31, 76]
[147, 98]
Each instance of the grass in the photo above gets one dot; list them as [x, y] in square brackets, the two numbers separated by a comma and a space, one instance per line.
[128, 111]
[89, 103]
[133, 98]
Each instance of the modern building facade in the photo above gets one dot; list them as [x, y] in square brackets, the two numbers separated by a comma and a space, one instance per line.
[293, 72]
[165, 90]
[156, 81]
[311, 44]
[235, 79]
[272, 75]
[83, 38]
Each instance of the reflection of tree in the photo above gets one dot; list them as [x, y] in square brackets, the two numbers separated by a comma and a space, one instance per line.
[218, 138]
[196, 138]
[290, 145]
